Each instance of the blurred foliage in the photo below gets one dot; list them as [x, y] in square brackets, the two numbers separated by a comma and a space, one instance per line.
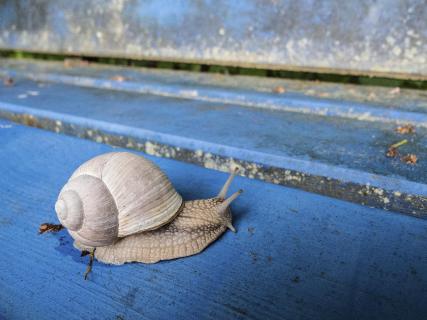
[194, 67]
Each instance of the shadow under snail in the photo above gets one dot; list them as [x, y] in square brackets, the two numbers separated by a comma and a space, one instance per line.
[120, 207]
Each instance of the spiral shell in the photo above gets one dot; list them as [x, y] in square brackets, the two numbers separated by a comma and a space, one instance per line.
[115, 195]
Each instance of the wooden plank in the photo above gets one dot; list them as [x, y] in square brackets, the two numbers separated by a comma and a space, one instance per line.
[333, 147]
[295, 256]
[385, 38]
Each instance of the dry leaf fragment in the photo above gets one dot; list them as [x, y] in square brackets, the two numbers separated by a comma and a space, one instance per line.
[49, 227]
[405, 129]
[410, 159]
[392, 152]
[279, 89]
[8, 82]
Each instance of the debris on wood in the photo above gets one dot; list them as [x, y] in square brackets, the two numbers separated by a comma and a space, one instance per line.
[410, 159]
[392, 150]
[394, 91]
[68, 63]
[254, 256]
[296, 279]
[50, 227]
[405, 129]
[279, 89]
[118, 78]
[8, 82]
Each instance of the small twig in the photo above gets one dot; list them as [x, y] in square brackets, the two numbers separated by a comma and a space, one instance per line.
[398, 144]
[89, 266]
[392, 150]
[50, 227]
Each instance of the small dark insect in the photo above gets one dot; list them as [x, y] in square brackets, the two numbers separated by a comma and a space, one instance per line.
[49, 227]
[8, 82]
[405, 129]
[279, 89]
[410, 159]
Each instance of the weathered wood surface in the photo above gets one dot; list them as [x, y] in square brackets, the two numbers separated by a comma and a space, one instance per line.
[358, 37]
[334, 146]
[296, 255]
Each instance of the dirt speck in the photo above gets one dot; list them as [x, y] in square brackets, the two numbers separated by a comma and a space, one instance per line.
[8, 82]
[254, 256]
[392, 152]
[118, 78]
[410, 159]
[296, 279]
[251, 230]
[279, 89]
[74, 62]
[129, 298]
[405, 129]
[237, 310]
[269, 259]
[394, 91]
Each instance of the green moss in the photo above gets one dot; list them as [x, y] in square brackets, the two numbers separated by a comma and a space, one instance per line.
[194, 67]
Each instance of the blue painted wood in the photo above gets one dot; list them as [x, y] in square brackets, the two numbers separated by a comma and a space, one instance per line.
[275, 137]
[357, 36]
[295, 256]
[286, 139]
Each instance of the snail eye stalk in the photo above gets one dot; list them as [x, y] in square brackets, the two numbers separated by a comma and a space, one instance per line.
[222, 194]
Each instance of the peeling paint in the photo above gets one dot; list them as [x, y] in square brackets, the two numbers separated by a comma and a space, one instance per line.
[410, 204]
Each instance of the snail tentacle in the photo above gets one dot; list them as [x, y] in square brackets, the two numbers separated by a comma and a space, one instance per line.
[223, 192]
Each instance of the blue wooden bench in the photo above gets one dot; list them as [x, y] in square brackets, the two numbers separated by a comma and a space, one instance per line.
[329, 227]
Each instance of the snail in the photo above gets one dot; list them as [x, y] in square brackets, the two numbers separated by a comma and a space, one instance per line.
[120, 207]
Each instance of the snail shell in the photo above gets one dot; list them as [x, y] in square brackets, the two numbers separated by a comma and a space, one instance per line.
[115, 195]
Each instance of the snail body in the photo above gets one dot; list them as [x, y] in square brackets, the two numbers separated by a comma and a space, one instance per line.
[125, 207]
[199, 224]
